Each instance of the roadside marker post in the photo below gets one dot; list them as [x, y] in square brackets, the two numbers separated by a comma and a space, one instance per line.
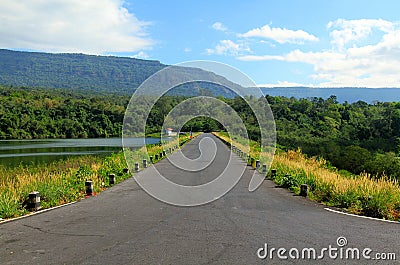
[264, 169]
[89, 187]
[111, 179]
[303, 190]
[34, 201]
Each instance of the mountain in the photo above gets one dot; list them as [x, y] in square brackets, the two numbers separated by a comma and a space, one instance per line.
[74, 71]
[119, 75]
[342, 94]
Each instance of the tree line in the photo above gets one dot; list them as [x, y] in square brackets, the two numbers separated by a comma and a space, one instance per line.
[355, 137]
[44, 113]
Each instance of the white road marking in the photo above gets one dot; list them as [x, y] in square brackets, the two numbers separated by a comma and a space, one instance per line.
[2, 221]
[360, 216]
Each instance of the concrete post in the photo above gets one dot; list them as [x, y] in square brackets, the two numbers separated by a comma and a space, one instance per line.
[89, 187]
[34, 201]
[111, 178]
[264, 168]
[303, 190]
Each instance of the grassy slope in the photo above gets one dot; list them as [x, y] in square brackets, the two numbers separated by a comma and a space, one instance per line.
[361, 194]
[64, 181]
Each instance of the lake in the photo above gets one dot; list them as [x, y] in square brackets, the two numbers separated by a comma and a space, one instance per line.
[15, 152]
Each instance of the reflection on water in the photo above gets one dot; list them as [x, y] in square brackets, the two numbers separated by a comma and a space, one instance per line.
[15, 152]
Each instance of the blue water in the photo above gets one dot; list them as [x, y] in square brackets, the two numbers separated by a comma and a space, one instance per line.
[15, 152]
[351, 95]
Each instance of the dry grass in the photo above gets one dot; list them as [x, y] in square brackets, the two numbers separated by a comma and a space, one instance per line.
[58, 183]
[64, 181]
[359, 194]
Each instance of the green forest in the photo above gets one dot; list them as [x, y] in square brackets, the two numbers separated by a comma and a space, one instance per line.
[355, 137]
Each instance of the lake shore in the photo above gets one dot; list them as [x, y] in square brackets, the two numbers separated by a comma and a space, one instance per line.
[63, 181]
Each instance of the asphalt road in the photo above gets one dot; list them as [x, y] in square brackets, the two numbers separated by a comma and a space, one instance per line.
[124, 225]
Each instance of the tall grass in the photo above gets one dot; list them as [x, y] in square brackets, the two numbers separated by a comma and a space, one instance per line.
[359, 194]
[64, 181]
[58, 183]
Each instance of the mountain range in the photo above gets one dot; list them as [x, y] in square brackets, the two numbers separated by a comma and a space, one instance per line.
[110, 74]
[74, 71]
[123, 75]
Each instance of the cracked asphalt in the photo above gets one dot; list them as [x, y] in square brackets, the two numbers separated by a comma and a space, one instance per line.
[124, 225]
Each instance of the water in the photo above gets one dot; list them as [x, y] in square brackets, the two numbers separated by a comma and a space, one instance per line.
[351, 94]
[15, 152]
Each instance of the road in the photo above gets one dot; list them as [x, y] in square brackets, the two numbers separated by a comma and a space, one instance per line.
[124, 225]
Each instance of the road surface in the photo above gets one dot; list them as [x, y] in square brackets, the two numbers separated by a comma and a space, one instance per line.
[124, 225]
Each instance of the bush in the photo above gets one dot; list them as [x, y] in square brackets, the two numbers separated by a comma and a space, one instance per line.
[289, 181]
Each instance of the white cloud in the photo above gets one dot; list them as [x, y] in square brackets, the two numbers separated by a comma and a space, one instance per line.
[280, 35]
[285, 84]
[368, 65]
[256, 58]
[90, 26]
[347, 31]
[219, 26]
[228, 47]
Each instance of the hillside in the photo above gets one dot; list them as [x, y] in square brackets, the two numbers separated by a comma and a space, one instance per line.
[117, 75]
[74, 71]
[343, 94]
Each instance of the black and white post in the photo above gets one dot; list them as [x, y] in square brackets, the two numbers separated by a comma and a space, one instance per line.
[34, 201]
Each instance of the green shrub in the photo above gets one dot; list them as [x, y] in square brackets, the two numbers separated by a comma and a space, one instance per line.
[289, 181]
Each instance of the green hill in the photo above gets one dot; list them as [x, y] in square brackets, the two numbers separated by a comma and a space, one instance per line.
[89, 73]
[74, 71]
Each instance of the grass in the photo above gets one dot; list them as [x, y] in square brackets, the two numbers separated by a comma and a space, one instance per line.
[358, 194]
[64, 181]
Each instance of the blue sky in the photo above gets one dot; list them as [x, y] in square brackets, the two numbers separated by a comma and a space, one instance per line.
[276, 43]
